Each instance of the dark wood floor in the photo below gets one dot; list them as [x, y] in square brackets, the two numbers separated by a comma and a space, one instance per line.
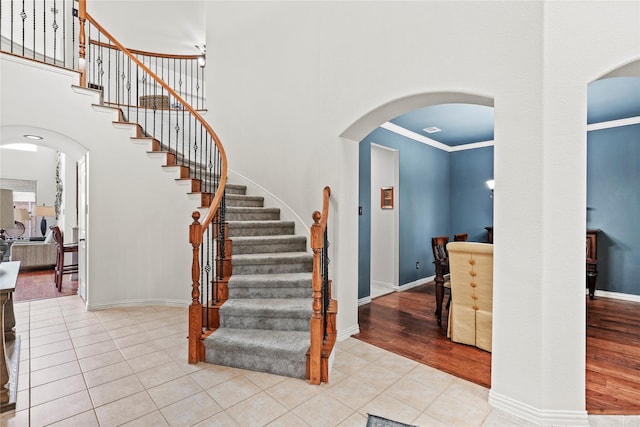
[403, 323]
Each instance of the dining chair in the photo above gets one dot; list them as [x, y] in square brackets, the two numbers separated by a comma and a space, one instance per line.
[62, 249]
[471, 310]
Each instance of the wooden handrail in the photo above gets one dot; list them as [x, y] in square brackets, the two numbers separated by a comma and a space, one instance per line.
[316, 323]
[223, 157]
[145, 53]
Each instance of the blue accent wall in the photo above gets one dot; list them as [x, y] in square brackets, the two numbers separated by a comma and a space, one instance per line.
[471, 202]
[613, 205]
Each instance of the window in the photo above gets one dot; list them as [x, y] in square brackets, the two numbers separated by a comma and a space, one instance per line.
[24, 196]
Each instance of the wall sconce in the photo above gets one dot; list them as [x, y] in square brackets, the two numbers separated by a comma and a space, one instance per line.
[491, 183]
[202, 59]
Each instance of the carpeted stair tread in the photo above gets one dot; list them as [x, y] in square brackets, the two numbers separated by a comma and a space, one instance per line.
[254, 240]
[283, 344]
[267, 286]
[276, 352]
[274, 307]
[270, 258]
[284, 280]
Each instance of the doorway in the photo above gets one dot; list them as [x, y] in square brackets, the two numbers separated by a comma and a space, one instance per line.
[384, 220]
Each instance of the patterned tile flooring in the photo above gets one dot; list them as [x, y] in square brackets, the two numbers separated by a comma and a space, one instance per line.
[127, 366]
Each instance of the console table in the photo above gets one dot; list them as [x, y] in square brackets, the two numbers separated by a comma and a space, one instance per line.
[10, 345]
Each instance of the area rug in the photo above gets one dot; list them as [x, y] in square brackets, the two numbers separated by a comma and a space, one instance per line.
[376, 421]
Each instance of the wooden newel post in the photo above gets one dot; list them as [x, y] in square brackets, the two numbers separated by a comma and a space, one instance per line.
[315, 350]
[195, 309]
[82, 65]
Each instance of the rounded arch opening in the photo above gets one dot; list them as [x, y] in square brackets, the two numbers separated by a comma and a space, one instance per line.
[374, 118]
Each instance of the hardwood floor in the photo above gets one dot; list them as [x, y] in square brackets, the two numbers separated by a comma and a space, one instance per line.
[404, 323]
[40, 284]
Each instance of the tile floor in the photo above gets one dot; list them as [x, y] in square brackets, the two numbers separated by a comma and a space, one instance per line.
[127, 366]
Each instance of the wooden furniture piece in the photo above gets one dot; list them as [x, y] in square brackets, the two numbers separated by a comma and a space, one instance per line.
[10, 345]
[489, 234]
[463, 237]
[441, 262]
[471, 311]
[592, 260]
[62, 249]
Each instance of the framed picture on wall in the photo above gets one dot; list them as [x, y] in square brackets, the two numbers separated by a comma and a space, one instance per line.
[386, 197]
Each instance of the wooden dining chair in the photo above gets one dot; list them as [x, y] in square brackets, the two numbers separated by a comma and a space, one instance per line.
[441, 261]
[62, 249]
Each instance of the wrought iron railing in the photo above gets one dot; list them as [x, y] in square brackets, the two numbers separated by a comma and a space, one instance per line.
[42, 30]
[164, 95]
[148, 97]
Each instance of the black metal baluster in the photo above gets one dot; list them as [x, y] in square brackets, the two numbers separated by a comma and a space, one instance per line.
[129, 89]
[208, 271]
[33, 53]
[137, 94]
[23, 15]
[155, 99]
[162, 101]
[168, 112]
[55, 31]
[11, 25]
[44, 33]
[64, 37]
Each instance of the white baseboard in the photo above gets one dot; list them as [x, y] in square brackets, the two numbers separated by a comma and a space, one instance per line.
[346, 333]
[363, 301]
[140, 303]
[537, 416]
[415, 283]
[617, 295]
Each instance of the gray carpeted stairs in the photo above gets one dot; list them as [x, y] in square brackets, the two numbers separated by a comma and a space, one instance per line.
[264, 325]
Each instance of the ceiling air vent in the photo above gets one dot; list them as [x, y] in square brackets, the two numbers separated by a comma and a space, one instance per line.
[432, 129]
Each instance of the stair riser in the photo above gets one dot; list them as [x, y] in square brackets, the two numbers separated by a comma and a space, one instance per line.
[263, 293]
[236, 230]
[268, 323]
[267, 364]
[253, 216]
[258, 248]
[275, 268]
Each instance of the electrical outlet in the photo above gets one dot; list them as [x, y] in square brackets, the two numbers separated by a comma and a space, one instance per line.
[417, 265]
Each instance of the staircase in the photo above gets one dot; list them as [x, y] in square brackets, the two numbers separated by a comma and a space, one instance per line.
[264, 324]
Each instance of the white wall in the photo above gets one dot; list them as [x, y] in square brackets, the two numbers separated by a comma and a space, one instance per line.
[137, 238]
[289, 78]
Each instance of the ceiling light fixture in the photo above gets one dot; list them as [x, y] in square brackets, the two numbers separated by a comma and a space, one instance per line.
[32, 136]
[432, 129]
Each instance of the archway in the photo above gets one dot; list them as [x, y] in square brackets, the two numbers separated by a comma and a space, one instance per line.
[59, 182]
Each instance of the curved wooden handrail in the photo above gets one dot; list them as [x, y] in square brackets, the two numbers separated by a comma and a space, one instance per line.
[223, 157]
[145, 53]
[325, 207]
